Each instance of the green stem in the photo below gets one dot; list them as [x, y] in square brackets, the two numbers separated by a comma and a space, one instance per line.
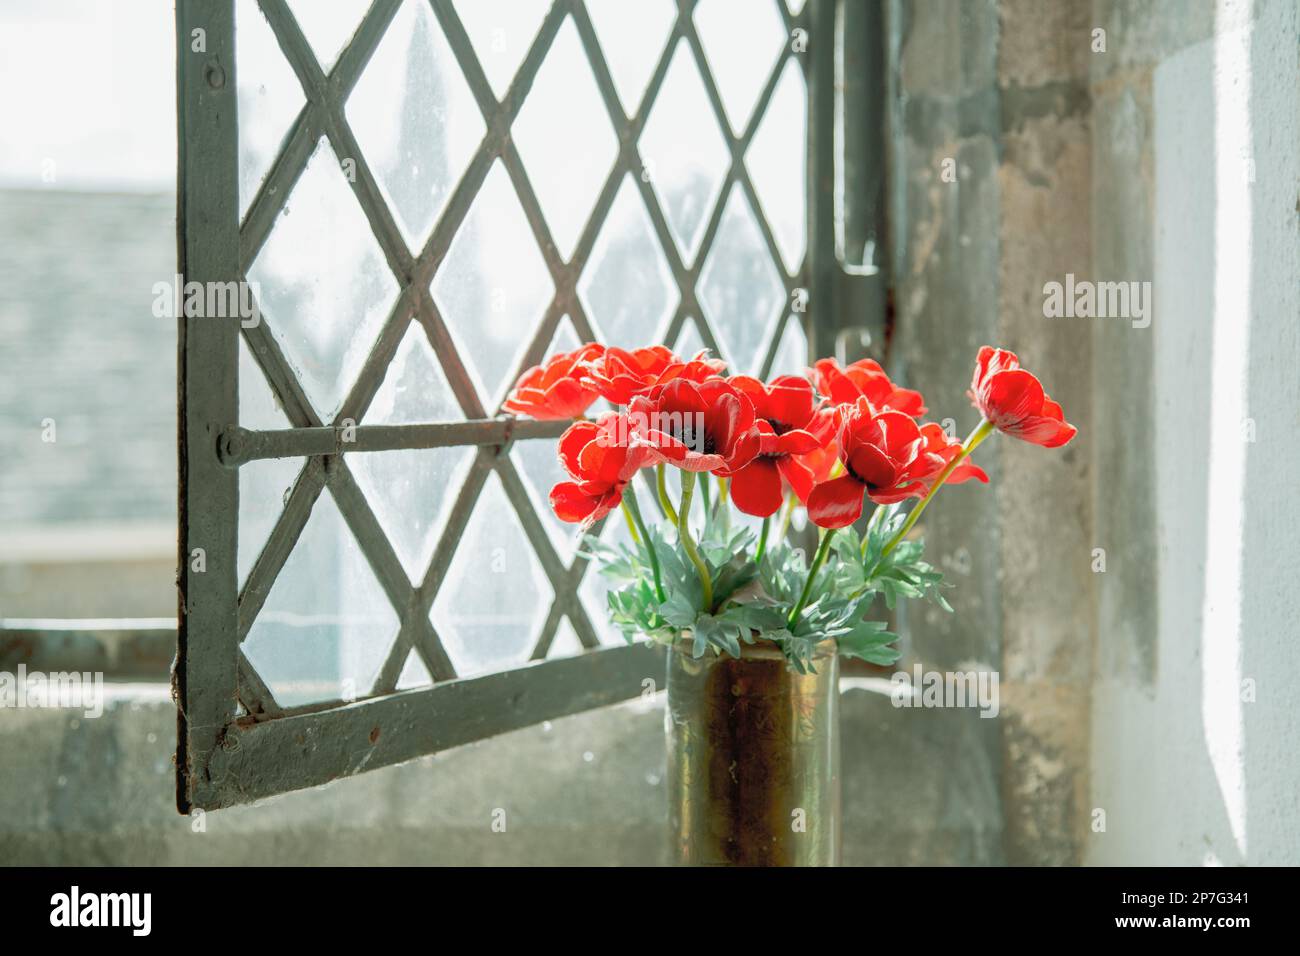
[784, 527]
[871, 524]
[981, 432]
[659, 505]
[633, 510]
[818, 561]
[704, 482]
[724, 503]
[666, 503]
[762, 541]
[627, 516]
[684, 535]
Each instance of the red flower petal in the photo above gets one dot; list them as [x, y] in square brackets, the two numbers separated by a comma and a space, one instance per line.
[681, 395]
[1041, 430]
[872, 466]
[890, 496]
[756, 488]
[753, 389]
[567, 398]
[966, 471]
[557, 389]
[865, 379]
[601, 460]
[796, 442]
[907, 400]
[1013, 399]
[799, 476]
[575, 438]
[833, 383]
[723, 420]
[1009, 397]
[745, 450]
[570, 503]
[836, 503]
[900, 430]
[790, 400]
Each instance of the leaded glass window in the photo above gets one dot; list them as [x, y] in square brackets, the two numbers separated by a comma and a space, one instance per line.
[428, 197]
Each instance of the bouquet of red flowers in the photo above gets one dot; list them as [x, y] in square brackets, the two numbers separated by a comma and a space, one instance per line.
[829, 441]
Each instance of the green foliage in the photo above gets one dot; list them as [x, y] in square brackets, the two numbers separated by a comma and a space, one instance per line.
[738, 611]
[863, 568]
[834, 613]
[752, 601]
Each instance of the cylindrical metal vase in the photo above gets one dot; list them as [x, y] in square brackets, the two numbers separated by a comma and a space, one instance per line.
[753, 759]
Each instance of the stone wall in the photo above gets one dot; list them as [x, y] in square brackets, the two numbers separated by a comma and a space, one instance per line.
[997, 94]
[945, 263]
[1043, 499]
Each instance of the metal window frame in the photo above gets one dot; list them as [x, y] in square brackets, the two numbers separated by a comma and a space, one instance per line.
[225, 757]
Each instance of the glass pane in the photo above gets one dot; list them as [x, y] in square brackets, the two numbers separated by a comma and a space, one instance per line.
[740, 288]
[493, 286]
[565, 338]
[541, 470]
[689, 340]
[565, 643]
[415, 119]
[327, 625]
[632, 37]
[501, 32]
[685, 155]
[269, 98]
[259, 406]
[594, 589]
[539, 463]
[565, 139]
[742, 40]
[414, 390]
[264, 485]
[627, 287]
[328, 27]
[324, 286]
[264, 488]
[414, 674]
[792, 352]
[490, 608]
[412, 490]
[777, 160]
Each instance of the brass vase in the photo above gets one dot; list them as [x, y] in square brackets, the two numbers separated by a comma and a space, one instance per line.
[753, 759]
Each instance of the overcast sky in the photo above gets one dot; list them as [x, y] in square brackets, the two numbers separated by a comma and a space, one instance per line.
[90, 86]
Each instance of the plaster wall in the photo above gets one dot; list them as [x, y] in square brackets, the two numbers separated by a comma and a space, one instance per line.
[1193, 706]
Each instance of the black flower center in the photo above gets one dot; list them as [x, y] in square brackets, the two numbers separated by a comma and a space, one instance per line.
[697, 440]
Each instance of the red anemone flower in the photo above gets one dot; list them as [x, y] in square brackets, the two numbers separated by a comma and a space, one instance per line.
[884, 456]
[559, 388]
[865, 378]
[620, 375]
[791, 425]
[698, 368]
[704, 426]
[601, 461]
[822, 461]
[938, 443]
[1013, 400]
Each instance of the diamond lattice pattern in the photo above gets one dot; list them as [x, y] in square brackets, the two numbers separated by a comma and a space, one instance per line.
[411, 262]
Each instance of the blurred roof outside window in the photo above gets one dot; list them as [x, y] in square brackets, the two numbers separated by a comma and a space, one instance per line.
[87, 227]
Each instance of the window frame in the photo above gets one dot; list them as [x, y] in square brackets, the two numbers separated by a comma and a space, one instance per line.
[226, 757]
